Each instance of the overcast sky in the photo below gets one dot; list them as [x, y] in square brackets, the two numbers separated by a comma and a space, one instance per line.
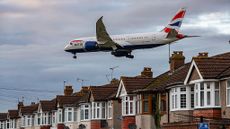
[33, 34]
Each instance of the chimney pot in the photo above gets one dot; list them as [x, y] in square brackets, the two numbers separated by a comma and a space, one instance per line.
[203, 55]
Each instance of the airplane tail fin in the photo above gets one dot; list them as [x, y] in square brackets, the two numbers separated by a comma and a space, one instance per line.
[176, 21]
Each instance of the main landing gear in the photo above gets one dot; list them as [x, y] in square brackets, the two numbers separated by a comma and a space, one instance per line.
[130, 56]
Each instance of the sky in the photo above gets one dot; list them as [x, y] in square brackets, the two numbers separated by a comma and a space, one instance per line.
[33, 33]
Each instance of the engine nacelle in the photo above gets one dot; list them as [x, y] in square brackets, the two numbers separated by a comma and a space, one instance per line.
[120, 52]
[91, 45]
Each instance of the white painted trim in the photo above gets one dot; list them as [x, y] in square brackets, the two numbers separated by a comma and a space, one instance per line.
[190, 71]
[121, 86]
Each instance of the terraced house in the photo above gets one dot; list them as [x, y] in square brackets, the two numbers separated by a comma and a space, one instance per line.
[180, 98]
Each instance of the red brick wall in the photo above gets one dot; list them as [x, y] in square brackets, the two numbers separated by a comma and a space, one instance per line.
[128, 120]
[60, 126]
[95, 124]
[208, 113]
[45, 127]
[193, 126]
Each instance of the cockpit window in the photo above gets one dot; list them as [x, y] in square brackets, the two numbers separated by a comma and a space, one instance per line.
[71, 43]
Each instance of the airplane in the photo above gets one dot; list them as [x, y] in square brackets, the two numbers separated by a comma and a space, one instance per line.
[123, 45]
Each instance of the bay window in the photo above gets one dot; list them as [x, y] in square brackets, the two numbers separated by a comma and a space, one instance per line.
[128, 105]
[208, 94]
[228, 92]
[181, 98]
[85, 110]
[98, 110]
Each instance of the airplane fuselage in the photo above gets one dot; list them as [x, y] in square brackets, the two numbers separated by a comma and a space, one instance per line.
[127, 41]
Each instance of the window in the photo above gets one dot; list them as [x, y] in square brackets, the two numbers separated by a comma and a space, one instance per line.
[60, 115]
[68, 114]
[182, 98]
[208, 94]
[202, 94]
[53, 117]
[110, 110]
[228, 93]
[85, 112]
[145, 102]
[39, 119]
[98, 110]
[192, 97]
[128, 105]
[217, 94]
[75, 114]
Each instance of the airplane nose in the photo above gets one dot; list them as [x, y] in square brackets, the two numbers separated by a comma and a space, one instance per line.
[66, 48]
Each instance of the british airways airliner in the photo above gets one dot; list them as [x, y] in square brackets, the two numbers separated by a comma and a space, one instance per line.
[123, 45]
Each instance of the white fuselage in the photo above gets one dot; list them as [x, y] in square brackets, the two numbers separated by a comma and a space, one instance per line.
[127, 41]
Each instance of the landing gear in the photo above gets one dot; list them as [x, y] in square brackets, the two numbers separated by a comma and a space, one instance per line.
[74, 56]
[130, 56]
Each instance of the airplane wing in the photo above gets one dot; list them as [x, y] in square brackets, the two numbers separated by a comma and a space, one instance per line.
[103, 37]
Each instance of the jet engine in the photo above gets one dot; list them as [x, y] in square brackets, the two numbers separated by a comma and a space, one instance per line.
[91, 45]
[122, 52]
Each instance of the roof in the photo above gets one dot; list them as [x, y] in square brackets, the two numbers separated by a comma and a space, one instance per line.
[213, 68]
[104, 92]
[48, 105]
[223, 55]
[67, 100]
[13, 114]
[3, 116]
[27, 110]
[134, 83]
[168, 79]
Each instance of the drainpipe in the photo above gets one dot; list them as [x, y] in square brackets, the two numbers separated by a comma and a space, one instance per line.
[168, 106]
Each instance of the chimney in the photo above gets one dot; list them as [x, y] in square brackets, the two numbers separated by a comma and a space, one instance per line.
[32, 103]
[114, 80]
[147, 72]
[176, 60]
[20, 104]
[68, 90]
[202, 55]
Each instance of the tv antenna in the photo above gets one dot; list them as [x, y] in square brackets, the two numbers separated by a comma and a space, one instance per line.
[107, 77]
[112, 70]
[81, 81]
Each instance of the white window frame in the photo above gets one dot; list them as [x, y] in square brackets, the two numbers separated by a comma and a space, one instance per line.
[98, 108]
[110, 110]
[175, 98]
[54, 117]
[83, 108]
[69, 112]
[59, 114]
[212, 90]
[227, 88]
[126, 100]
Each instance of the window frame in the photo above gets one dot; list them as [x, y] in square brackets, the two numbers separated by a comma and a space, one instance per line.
[98, 109]
[83, 109]
[110, 110]
[227, 88]
[212, 89]
[128, 105]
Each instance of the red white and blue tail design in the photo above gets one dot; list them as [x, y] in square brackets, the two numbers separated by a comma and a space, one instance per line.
[176, 21]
